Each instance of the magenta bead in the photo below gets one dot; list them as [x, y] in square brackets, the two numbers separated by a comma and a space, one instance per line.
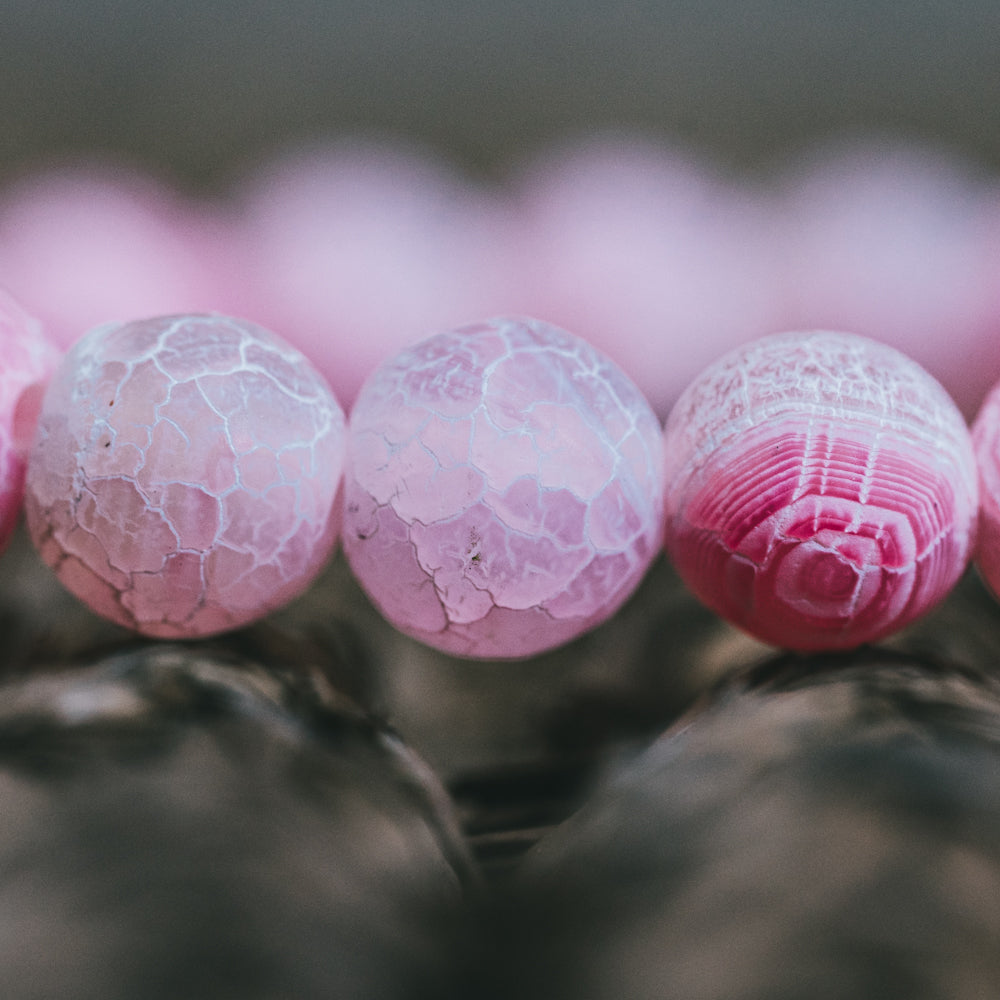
[503, 490]
[986, 439]
[26, 361]
[821, 489]
[185, 473]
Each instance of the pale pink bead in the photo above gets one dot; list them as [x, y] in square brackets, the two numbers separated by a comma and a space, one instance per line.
[647, 255]
[900, 243]
[85, 246]
[821, 489]
[503, 490]
[26, 361]
[184, 477]
[359, 249]
[986, 438]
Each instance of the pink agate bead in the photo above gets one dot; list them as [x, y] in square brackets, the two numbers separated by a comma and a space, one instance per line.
[26, 361]
[986, 439]
[503, 490]
[185, 472]
[821, 489]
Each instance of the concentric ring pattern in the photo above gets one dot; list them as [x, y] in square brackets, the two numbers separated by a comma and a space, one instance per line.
[821, 489]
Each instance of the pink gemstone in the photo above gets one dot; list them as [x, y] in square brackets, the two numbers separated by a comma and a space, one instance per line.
[821, 489]
[986, 439]
[85, 246]
[360, 248]
[184, 477]
[647, 254]
[503, 491]
[900, 243]
[26, 362]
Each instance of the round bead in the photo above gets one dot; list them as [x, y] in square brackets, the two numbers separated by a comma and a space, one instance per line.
[358, 248]
[503, 490]
[898, 242]
[821, 489]
[986, 439]
[82, 246]
[185, 472]
[612, 227]
[26, 361]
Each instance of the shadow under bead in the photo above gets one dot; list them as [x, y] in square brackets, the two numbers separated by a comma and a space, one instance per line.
[827, 828]
[179, 823]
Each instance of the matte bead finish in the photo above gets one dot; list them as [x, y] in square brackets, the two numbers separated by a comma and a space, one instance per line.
[503, 490]
[821, 489]
[184, 478]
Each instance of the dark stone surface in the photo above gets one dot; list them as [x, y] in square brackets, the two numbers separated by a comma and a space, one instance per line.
[824, 828]
[178, 820]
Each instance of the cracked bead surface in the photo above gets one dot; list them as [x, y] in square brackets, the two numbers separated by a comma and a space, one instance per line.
[26, 361]
[185, 471]
[821, 489]
[986, 439]
[503, 490]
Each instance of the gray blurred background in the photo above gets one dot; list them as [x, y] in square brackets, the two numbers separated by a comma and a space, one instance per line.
[199, 89]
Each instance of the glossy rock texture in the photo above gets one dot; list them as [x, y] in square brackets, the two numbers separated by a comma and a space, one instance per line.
[184, 477]
[503, 488]
[26, 361]
[986, 439]
[821, 489]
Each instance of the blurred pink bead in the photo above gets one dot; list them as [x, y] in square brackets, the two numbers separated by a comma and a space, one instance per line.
[27, 359]
[648, 256]
[821, 489]
[899, 243]
[986, 438]
[359, 249]
[503, 491]
[85, 246]
[185, 472]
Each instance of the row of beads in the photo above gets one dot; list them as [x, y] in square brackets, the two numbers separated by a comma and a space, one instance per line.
[506, 484]
[356, 249]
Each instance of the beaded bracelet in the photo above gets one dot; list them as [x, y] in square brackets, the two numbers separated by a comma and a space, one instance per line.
[504, 485]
